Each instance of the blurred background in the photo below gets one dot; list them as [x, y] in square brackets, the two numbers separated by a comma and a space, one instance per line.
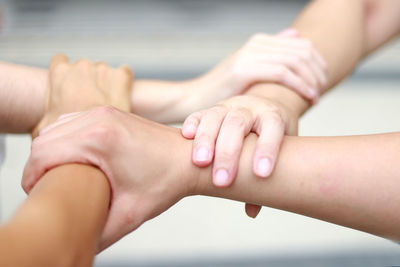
[181, 39]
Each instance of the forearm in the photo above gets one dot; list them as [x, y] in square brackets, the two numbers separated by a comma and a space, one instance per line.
[337, 30]
[339, 39]
[382, 23]
[162, 101]
[60, 222]
[351, 181]
[22, 97]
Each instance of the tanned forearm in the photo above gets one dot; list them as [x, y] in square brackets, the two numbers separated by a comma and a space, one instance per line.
[60, 222]
[350, 181]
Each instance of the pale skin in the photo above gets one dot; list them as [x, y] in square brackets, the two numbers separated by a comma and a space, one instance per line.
[57, 225]
[298, 103]
[264, 58]
[23, 89]
[329, 178]
[218, 132]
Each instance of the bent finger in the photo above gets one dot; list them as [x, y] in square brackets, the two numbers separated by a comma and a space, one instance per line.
[235, 127]
[190, 125]
[268, 144]
[206, 136]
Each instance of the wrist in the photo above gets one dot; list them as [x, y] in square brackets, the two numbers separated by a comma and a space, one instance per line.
[288, 98]
[188, 174]
[157, 100]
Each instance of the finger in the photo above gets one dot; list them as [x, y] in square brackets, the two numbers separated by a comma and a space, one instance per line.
[252, 210]
[295, 63]
[283, 75]
[126, 78]
[190, 125]
[126, 69]
[236, 125]
[309, 58]
[289, 33]
[57, 60]
[206, 135]
[47, 155]
[266, 40]
[271, 134]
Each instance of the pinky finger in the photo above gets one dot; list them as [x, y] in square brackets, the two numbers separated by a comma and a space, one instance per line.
[252, 210]
[190, 125]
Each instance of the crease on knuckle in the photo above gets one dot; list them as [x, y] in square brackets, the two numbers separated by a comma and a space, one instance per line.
[227, 155]
[203, 138]
[237, 119]
[216, 111]
[84, 62]
[274, 119]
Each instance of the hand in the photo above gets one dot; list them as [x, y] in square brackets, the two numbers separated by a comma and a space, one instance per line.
[219, 132]
[130, 150]
[84, 85]
[284, 58]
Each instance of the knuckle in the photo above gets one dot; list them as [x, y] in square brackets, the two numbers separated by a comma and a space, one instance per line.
[194, 117]
[216, 111]
[83, 63]
[274, 119]
[104, 111]
[105, 133]
[236, 119]
[203, 138]
[227, 154]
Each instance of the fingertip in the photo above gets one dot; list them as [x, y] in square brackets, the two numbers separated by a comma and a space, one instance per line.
[252, 210]
[202, 156]
[221, 178]
[189, 130]
[127, 70]
[263, 167]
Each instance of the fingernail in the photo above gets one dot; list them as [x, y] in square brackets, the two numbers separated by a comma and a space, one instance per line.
[264, 167]
[202, 154]
[189, 128]
[221, 177]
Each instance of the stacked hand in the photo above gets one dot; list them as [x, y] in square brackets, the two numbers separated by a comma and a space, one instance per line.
[122, 145]
[284, 58]
[130, 150]
[84, 85]
[218, 132]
